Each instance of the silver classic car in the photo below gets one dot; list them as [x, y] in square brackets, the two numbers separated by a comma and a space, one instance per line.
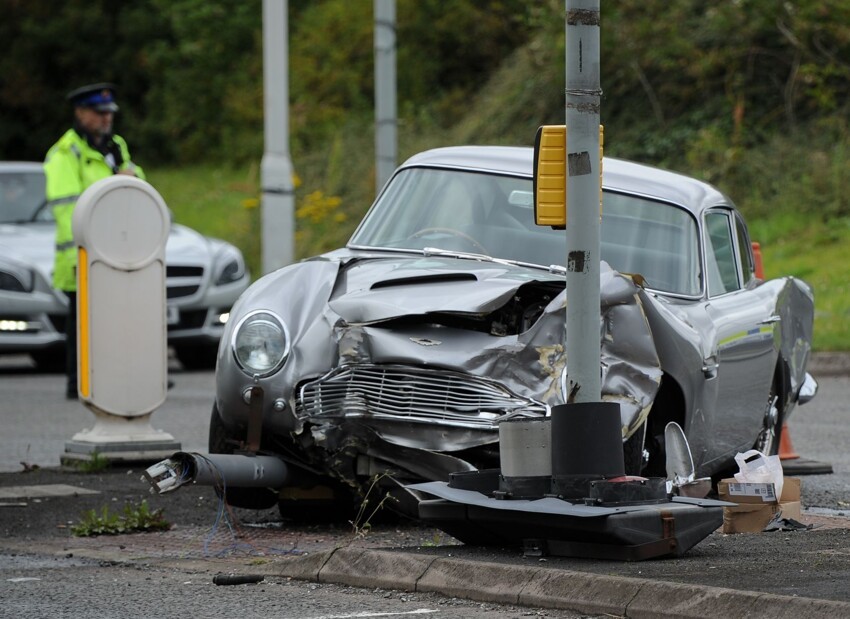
[204, 277]
[395, 358]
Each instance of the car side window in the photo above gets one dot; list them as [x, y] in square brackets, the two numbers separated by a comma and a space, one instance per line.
[21, 196]
[720, 254]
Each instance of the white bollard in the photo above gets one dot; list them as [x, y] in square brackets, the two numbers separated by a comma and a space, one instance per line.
[121, 226]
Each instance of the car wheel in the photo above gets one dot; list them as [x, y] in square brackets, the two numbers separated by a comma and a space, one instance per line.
[199, 357]
[325, 503]
[767, 441]
[51, 361]
[223, 441]
[634, 452]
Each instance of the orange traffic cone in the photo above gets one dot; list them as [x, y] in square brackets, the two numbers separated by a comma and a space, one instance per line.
[758, 267]
[786, 449]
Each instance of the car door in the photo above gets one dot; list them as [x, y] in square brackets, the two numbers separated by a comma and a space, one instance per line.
[741, 355]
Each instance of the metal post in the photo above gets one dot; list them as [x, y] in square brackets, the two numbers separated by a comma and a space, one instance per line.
[385, 92]
[583, 97]
[278, 204]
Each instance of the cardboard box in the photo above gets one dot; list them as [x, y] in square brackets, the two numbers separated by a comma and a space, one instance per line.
[757, 504]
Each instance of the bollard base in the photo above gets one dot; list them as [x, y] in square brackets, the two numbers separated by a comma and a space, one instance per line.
[118, 453]
[120, 439]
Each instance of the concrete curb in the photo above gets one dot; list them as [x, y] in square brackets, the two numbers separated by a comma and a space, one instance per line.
[547, 587]
[483, 581]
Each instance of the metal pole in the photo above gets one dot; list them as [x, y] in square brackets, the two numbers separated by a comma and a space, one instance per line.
[583, 98]
[385, 92]
[278, 204]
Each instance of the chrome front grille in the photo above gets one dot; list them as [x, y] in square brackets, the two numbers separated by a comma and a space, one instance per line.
[418, 394]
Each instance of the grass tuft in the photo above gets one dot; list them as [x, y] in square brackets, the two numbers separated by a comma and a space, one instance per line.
[134, 519]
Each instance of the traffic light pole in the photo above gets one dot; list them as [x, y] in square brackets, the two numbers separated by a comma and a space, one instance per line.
[583, 92]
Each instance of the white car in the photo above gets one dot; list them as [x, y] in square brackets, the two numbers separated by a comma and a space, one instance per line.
[204, 278]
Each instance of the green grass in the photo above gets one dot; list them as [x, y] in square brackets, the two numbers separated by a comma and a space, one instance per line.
[133, 519]
[96, 464]
[817, 253]
[218, 201]
[224, 202]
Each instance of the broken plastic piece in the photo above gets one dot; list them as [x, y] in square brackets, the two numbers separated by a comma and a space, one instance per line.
[778, 523]
[237, 579]
[165, 476]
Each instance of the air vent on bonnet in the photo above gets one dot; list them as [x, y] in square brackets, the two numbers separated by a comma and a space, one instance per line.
[440, 278]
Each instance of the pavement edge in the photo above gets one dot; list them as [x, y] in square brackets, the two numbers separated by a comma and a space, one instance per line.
[547, 588]
[483, 581]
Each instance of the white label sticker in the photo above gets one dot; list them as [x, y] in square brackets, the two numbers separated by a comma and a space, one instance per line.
[765, 491]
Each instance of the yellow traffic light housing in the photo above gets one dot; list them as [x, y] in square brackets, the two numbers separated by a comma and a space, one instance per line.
[550, 175]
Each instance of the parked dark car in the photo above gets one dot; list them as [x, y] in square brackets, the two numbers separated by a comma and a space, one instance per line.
[395, 358]
[204, 277]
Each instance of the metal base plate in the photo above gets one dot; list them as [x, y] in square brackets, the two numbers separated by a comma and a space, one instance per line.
[556, 527]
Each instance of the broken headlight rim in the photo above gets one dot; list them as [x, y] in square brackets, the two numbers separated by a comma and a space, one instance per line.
[260, 343]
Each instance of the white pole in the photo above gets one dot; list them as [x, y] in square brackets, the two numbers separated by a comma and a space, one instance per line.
[385, 92]
[278, 204]
[583, 347]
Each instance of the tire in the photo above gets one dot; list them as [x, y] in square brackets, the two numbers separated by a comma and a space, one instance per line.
[197, 357]
[633, 450]
[339, 509]
[222, 441]
[769, 437]
[338, 504]
[51, 361]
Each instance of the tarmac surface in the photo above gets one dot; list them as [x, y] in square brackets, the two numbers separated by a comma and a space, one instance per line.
[800, 573]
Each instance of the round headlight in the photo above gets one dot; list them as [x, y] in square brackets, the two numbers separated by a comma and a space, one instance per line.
[260, 343]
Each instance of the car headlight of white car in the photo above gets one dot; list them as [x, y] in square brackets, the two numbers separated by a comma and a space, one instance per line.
[229, 266]
[260, 343]
[15, 278]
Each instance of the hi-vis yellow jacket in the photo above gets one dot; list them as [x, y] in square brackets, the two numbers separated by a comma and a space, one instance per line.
[70, 167]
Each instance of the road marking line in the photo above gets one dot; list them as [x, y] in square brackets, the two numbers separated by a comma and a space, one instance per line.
[418, 611]
[44, 490]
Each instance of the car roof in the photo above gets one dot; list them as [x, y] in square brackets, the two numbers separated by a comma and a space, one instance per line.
[20, 166]
[618, 174]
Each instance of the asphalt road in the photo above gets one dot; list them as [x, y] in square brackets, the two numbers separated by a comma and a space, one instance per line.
[802, 573]
[38, 420]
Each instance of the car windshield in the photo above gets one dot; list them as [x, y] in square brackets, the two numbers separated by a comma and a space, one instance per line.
[492, 214]
[21, 196]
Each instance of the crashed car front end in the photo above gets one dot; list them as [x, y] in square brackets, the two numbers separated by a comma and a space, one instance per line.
[407, 364]
[398, 356]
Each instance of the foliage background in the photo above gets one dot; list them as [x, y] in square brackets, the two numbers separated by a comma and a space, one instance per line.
[751, 95]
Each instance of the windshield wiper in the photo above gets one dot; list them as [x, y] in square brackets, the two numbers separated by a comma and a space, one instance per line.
[436, 251]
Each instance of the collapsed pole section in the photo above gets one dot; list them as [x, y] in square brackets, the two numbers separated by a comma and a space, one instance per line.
[217, 470]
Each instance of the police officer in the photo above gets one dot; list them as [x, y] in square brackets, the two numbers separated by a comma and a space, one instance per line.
[86, 153]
